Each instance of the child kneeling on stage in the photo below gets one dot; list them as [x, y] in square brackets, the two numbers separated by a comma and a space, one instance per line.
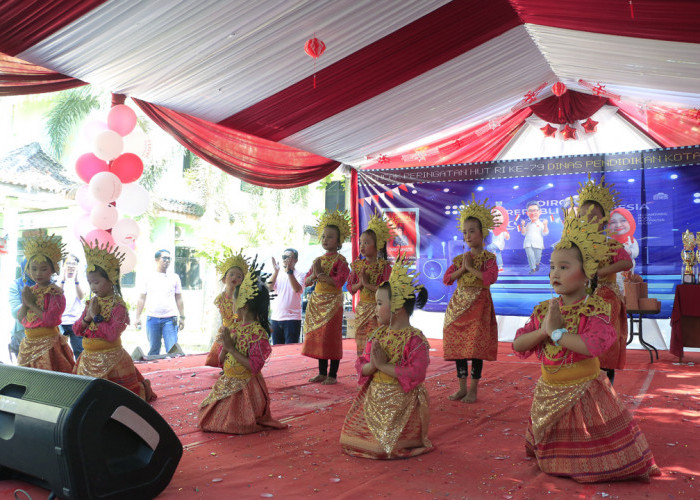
[389, 417]
[239, 402]
[578, 426]
[103, 321]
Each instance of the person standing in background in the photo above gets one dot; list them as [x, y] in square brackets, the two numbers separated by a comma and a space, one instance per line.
[72, 289]
[286, 310]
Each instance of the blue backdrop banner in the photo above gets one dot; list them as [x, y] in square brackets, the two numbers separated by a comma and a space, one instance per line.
[660, 192]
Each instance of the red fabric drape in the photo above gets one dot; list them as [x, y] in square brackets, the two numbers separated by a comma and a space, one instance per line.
[250, 158]
[24, 23]
[568, 108]
[672, 20]
[18, 77]
[667, 126]
[354, 213]
[482, 142]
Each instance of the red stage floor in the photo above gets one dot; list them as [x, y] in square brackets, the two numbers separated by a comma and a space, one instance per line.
[479, 448]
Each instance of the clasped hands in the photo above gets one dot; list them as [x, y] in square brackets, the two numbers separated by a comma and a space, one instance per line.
[553, 320]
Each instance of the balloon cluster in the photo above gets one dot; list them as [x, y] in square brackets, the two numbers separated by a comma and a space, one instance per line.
[110, 172]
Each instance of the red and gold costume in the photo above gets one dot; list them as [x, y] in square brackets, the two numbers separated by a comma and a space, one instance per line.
[227, 310]
[365, 319]
[239, 402]
[43, 346]
[323, 323]
[608, 290]
[389, 417]
[103, 355]
[470, 330]
[578, 426]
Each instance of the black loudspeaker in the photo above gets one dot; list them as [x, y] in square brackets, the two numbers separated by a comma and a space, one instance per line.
[82, 438]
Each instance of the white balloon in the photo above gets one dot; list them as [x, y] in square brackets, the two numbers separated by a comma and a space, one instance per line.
[108, 145]
[125, 231]
[133, 200]
[85, 199]
[104, 216]
[105, 187]
[136, 142]
[129, 263]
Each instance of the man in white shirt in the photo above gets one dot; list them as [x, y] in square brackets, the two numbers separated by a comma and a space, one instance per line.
[534, 230]
[286, 308]
[164, 293]
[72, 288]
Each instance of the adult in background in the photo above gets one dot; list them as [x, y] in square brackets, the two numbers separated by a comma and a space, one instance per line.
[15, 299]
[286, 311]
[73, 291]
[164, 294]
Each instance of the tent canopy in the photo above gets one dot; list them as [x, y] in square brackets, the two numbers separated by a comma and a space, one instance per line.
[396, 75]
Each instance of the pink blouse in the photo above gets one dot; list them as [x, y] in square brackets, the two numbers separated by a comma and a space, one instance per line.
[489, 271]
[410, 371]
[258, 352]
[109, 330]
[54, 305]
[339, 272]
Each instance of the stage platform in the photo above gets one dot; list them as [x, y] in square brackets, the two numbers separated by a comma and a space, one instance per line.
[479, 448]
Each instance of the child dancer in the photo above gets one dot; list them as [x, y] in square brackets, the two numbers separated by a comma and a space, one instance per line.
[578, 426]
[239, 402]
[102, 322]
[597, 201]
[366, 276]
[389, 416]
[470, 330]
[42, 307]
[232, 268]
[323, 323]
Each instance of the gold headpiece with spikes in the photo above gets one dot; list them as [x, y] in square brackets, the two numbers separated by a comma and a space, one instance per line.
[336, 218]
[601, 193]
[380, 226]
[250, 287]
[402, 283]
[585, 235]
[104, 256]
[43, 248]
[230, 260]
[479, 211]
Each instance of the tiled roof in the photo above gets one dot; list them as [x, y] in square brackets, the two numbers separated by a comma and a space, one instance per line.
[29, 166]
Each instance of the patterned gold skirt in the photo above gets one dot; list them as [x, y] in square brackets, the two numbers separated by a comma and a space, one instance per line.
[323, 326]
[470, 330]
[385, 423]
[46, 349]
[365, 323]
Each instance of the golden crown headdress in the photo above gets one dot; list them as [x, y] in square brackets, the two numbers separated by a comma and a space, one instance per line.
[380, 226]
[341, 220]
[479, 211]
[230, 260]
[601, 193]
[43, 248]
[250, 286]
[403, 284]
[104, 256]
[585, 235]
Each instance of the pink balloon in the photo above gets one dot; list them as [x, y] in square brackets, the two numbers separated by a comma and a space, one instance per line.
[129, 262]
[105, 187]
[121, 119]
[128, 167]
[101, 236]
[84, 198]
[88, 165]
[104, 216]
[125, 231]
[82, 226]
[92, 128]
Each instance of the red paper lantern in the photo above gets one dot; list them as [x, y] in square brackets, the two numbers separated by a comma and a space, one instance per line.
[314, 47]
[558, 89]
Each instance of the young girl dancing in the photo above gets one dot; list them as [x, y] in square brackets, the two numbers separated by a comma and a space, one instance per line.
[323, 323]
[367, 274]
[389, 416]
[470, 331]
[232, 268]
[42, 307]
[239, 402]
[103, 321]
[596, 202]
[578, 426]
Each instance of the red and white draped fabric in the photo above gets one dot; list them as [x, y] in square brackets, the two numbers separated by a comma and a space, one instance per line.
[397, 80]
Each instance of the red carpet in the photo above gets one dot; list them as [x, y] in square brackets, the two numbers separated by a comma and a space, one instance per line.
[479, 448]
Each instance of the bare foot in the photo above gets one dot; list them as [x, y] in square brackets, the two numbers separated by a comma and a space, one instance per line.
[317, 378]
[150, 395]
[457, 395]
[470, 397]
[329, 381]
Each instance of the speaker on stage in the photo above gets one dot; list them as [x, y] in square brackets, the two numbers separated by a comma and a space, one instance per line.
[432, 271]
[82, 437]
